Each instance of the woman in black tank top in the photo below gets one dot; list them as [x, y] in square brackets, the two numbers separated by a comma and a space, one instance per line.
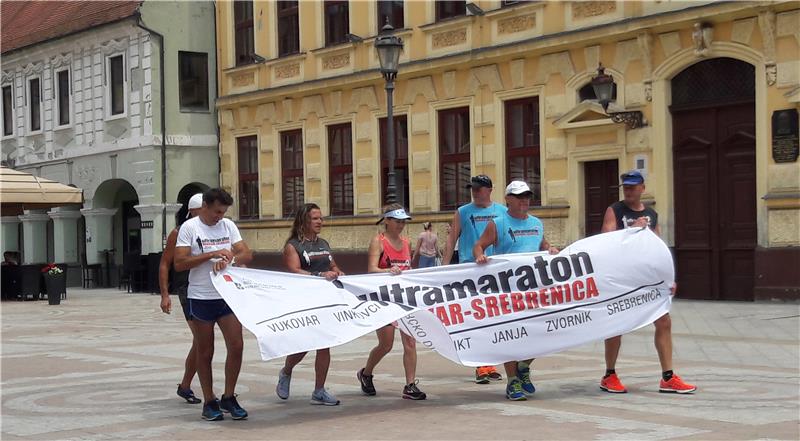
[307, 253]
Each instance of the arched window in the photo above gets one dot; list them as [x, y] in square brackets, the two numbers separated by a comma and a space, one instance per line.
[587, 93]
[714, 81]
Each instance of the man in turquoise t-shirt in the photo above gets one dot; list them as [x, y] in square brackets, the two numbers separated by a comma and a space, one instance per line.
[515, 231]
[468, 224]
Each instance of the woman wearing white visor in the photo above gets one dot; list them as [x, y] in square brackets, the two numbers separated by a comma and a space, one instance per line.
[389, 252]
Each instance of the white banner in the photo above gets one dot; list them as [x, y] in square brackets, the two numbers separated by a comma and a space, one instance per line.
[515, 307]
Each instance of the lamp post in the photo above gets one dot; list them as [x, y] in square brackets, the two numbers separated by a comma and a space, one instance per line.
[603, 85]
[389, 47]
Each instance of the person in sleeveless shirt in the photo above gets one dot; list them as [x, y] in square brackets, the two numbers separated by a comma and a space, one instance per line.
[389, 252]
[307, 253]
[515, 231]
[632, 213]
[180, 284]
[426, 249]
[468, 224]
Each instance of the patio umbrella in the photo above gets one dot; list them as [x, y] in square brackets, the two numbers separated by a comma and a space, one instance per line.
[23, 191]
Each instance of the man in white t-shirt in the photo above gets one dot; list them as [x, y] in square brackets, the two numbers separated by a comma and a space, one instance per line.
[209, 242]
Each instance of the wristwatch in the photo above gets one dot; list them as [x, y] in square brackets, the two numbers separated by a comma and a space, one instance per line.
[315, 274]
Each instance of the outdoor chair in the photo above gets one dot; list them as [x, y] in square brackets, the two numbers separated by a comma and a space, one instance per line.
[11, 279]
[30, 281]
[134, 273]
[90, 273]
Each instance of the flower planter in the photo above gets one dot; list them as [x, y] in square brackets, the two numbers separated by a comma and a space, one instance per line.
[56, 286]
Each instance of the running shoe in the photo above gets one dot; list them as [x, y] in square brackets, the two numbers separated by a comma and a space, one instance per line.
[282, 389]
[482, 375]
[524, 376]
[211, 411]
[188, 395]
[230, 405]
[493, 374]
[514, 391]
[323, 397]
[366, 383]
[611, 384]
[676, 386]
[412, 392]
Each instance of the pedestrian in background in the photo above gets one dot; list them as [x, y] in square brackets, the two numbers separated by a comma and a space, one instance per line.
[427, 250]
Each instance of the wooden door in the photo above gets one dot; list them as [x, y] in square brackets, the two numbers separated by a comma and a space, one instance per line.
[601, 182]
[715, 201]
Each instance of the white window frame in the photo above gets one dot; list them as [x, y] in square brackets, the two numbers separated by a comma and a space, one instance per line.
[57, 96]
[13, 112]
[28, 104]
[107, 87]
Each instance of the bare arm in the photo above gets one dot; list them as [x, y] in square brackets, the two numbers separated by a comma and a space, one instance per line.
[416, 250]
[185, 261]
[609, 221]
[450, 245]
[487, 239]
[163, 271]
[374, 256]
[545, 246]
[242, 253]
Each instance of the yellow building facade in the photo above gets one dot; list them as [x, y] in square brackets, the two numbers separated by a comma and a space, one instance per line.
[737, 64]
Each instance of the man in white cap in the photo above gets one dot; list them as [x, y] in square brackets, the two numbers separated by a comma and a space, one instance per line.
[180, 283]
[514, 231]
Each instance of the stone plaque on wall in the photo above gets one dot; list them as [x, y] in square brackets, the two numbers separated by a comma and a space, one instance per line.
[785, 147]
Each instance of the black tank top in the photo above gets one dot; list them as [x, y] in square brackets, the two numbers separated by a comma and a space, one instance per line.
[315, 255]
[626, 217]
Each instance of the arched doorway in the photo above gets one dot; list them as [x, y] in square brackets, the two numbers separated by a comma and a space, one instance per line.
[126, 225]
[714, 166]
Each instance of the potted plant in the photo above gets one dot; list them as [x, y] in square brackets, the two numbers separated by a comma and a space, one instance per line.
[55, 280]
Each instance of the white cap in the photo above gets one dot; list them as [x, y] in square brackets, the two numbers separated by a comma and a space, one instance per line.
[518, 187]
[196, 201]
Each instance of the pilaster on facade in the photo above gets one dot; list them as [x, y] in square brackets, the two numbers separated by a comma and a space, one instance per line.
[34, 235]
[99, 228]
[65, 234]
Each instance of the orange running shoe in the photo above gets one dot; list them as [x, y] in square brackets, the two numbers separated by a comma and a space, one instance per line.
[482, 375]
[611, 384]
[676, 386]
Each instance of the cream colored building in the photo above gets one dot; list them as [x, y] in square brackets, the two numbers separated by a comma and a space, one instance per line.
[706, 77]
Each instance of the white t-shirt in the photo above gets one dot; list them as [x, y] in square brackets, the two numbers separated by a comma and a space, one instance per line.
[203, 238]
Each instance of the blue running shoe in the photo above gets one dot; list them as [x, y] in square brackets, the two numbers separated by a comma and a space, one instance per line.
[514, 391]
[282, 389]
[211, 411]
[188, 395]
[324, 398]
[524, 375]
[230, 405]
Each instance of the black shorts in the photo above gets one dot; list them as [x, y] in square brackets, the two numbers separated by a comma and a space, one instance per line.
[209, 310]
[184, 303]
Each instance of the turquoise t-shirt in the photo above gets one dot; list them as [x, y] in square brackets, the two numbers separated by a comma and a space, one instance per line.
[473, 222]
[518, 235]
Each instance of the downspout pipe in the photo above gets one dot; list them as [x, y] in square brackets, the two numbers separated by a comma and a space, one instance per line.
[163, 117]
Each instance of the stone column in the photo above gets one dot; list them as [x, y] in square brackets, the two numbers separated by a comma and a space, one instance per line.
[171, 210]
[10, 233]
[99, 232]
[34, 236]
[152, 216]
[65, 234]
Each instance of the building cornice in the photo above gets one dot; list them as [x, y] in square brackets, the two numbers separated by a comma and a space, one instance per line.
[627, 28]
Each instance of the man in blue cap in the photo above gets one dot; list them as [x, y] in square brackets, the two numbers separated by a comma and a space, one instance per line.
[468, 224]
[632, 213]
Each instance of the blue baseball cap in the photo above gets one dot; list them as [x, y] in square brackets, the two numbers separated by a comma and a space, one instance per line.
[633, 177]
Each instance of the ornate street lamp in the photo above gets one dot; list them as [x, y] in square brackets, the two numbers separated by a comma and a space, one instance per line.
[603, 85]
[389, 47]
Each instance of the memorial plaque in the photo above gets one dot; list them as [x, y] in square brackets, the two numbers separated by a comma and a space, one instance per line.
[785, 145]
[147, 224]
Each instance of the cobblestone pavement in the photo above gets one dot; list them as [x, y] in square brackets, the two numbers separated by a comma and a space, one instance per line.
[104, 364]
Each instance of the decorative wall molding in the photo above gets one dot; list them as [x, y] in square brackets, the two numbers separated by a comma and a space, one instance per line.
[512, 25]
[449, 38]
[588, 9]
